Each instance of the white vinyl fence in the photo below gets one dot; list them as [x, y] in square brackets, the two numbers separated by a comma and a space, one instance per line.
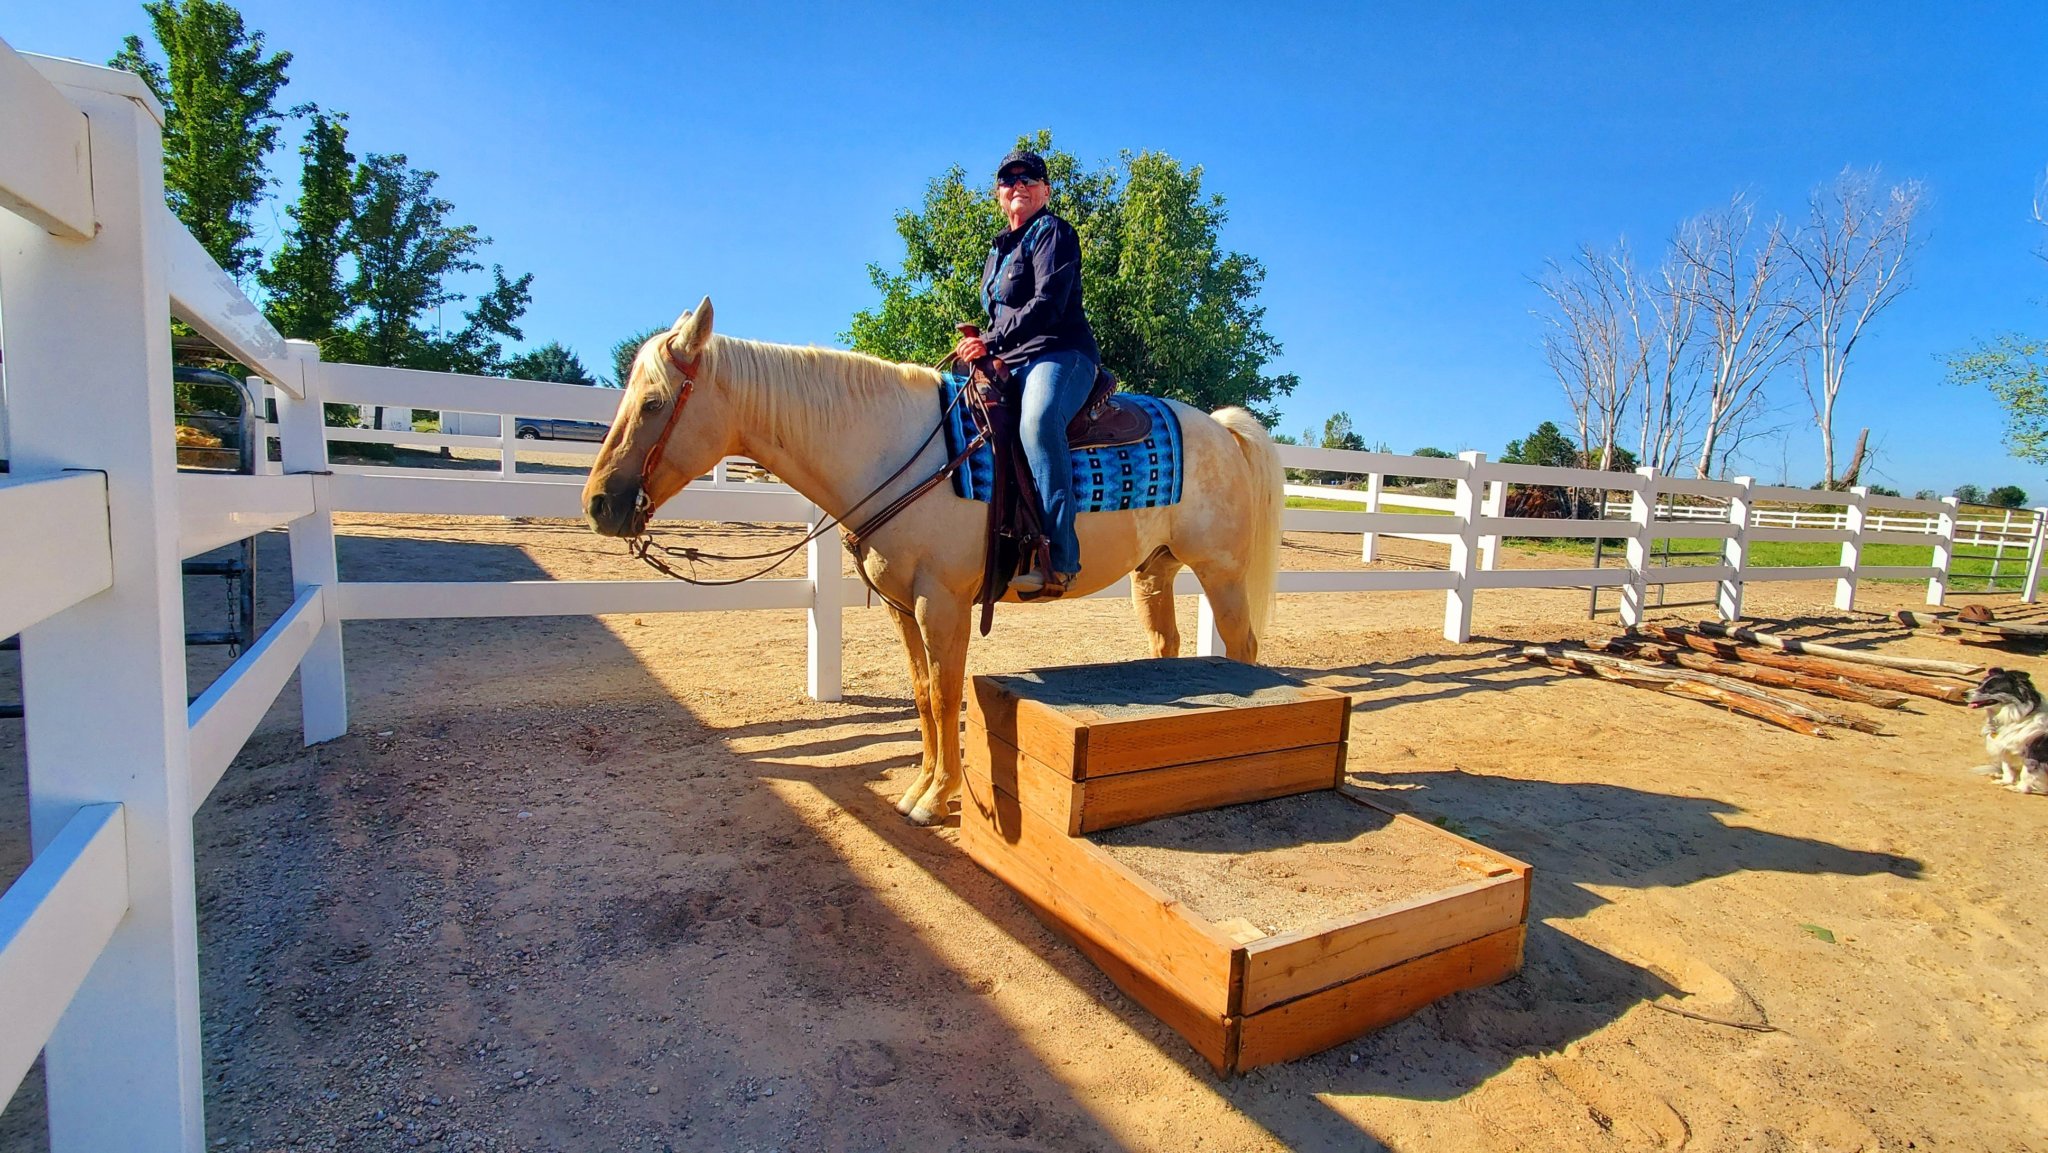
[98, 954]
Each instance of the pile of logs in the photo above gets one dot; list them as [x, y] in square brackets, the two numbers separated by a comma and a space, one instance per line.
[1736, 668]
[1975, 625]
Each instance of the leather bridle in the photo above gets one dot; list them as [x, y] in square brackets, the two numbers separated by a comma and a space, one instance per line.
[644, 503]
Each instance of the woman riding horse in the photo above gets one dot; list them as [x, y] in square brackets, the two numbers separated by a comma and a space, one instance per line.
[855, 434]
[1031, 288]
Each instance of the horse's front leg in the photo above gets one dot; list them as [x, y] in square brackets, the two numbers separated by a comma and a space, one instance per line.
[920, 690]
[943, 620]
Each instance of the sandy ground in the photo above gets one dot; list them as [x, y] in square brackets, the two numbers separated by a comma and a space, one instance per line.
[617, 884]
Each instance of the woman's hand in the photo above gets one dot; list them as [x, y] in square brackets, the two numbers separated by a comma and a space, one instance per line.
[970, 349]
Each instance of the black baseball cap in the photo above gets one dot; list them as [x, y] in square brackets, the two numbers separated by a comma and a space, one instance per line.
[1031, 162]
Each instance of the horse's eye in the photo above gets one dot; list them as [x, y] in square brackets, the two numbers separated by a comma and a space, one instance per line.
[651, 404]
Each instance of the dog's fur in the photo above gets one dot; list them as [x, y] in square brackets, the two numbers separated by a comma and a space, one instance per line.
[2015, 731]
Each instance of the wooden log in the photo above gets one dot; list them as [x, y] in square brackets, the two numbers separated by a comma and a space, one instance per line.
[1913, 620]
[1682, 686]
[1759, 674]
[1854, 656]
[1918, 686]
[1726, 685]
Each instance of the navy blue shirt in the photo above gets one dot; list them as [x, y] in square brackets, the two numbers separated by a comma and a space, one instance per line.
[1031, 286]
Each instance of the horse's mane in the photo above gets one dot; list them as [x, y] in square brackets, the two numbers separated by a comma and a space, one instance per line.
[808, 385]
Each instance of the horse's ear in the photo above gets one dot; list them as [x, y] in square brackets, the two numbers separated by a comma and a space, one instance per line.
[692, 331]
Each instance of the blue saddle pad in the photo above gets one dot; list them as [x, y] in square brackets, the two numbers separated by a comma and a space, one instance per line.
[1146, 474]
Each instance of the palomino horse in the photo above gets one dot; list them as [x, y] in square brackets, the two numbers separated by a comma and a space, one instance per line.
[838, 425]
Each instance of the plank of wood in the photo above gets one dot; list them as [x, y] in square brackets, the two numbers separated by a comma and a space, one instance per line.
[1677, 687]
[1291, 965]
[1084, 742]
[1051, 735]
[1761, 674]
[1043, 790]
[1853, 656]
[1151, 929]
[1128, 745]
[1333, 1016]
[1697, 684]
[1909, 683]
[1212, 1035]
[1127, 798]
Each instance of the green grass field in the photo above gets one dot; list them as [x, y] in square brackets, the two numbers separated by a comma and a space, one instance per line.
[1769, 554]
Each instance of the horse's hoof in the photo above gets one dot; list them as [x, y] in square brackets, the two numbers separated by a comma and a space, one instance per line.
[907, 801]
[922, 817]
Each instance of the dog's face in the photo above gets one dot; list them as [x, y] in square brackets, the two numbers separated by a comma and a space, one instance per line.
[2005, 688]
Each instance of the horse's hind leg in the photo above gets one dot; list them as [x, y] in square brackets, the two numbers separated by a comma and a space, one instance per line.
[1233, 611]
[943, 621]
[920, 690]
[1152, 596]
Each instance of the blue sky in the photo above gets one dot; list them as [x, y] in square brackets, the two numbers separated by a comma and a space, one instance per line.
[1403, 171]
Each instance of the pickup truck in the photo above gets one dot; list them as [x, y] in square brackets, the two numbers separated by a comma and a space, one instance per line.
[541, 428]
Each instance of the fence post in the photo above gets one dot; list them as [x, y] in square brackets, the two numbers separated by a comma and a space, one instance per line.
[89, 375]
[1489, 545]
[302, 441]
[1373, 485]
[508, 441]
[1852, 549]
[827, 648]
[1945, 552]
[2030, 591]
[1642, 508]
[1464, 549]
[1735, 550]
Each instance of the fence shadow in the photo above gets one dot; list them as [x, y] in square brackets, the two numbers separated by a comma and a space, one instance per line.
[1423, 679]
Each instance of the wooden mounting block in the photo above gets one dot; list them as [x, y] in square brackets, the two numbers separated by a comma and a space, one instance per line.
[1047, 772]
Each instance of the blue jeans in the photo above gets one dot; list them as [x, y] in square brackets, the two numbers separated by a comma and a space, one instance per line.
[1056, 385]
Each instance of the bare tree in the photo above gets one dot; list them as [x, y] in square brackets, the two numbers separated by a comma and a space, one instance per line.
[1591, 345]
[1670, 363]
[1852, 257]
[1738, 284]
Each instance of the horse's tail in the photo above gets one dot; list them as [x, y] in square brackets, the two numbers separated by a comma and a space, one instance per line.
[1269, 499]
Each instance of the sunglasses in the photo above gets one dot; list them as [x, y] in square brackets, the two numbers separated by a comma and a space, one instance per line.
[1012, 179]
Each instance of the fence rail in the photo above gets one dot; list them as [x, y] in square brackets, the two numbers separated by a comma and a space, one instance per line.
[98, 938]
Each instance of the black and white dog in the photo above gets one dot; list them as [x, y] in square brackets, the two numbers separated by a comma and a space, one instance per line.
[2015, 731]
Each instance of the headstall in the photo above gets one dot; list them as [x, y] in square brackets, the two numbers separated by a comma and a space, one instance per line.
[688, 372]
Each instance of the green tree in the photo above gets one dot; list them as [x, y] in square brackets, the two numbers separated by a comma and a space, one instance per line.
[219, 91]
[551, 361]
[1968, 494]
[2005, 496]
[1545, 446]
[404, 250]
[306, 293]
[1430, 486]
[624, 351]
[1338, 433]
[2014, 369]
[1174, 312]
[474, 347]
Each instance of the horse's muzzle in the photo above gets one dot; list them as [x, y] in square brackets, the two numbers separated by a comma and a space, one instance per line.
[615, 514]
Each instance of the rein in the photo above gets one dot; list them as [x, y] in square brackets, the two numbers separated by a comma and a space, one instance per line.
[643, 547]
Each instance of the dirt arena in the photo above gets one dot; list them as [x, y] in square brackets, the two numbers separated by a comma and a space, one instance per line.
[616, 883]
